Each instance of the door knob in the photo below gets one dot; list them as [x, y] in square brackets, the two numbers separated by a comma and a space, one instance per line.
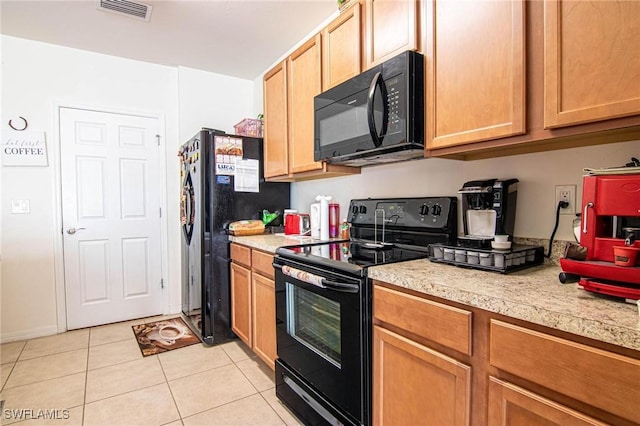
[72, 231]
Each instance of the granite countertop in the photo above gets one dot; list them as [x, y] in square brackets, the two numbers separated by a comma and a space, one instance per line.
[534, 295]
[270, 242]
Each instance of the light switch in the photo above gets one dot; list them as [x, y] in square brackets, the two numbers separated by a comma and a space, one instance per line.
[20, 207]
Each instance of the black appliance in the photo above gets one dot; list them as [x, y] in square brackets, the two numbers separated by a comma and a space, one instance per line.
[214, 193]
[324, 298]
[488, 209]
[375, 117]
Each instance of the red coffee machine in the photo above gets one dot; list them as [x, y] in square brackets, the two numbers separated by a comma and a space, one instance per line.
[610, 218]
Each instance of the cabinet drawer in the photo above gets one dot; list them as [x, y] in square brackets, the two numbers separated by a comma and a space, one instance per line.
[262, 263]
[241, 254]
[440, 323]
[599, 378]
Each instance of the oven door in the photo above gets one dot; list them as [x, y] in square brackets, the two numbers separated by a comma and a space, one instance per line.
[323, 337]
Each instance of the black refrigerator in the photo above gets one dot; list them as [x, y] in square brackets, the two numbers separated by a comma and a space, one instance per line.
[222, 181]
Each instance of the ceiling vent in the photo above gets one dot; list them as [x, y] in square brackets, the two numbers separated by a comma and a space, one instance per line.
[128, 8]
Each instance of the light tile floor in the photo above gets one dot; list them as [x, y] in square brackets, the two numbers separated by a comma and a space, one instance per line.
[98, 376]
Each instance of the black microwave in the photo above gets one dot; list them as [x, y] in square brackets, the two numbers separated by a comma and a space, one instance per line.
[375, 117]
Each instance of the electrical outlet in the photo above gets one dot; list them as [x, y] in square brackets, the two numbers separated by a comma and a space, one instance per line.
[566, 193]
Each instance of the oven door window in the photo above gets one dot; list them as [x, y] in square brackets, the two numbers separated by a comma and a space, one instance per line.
[314, 321]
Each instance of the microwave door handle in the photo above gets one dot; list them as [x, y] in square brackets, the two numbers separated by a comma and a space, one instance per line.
[377, 81]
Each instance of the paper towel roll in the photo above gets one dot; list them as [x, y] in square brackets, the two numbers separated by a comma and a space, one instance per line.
[324, 215]
[315, 220]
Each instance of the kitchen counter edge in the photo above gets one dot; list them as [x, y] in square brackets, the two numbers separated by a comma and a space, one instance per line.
[534, 295]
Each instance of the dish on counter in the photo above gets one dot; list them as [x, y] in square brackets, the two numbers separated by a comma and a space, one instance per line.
[501, 245]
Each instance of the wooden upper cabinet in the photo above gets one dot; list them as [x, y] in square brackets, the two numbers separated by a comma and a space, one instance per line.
[592, 64]
[275, 123]
[475, 71]
[391, 27]
[304, 82]
[341, 48]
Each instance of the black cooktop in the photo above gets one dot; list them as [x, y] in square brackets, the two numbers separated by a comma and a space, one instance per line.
[351, 255]
[407, 225]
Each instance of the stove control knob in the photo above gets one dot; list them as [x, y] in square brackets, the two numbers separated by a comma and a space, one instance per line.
[424, 209]
[436, 210]
[363, 209]
[354, 209]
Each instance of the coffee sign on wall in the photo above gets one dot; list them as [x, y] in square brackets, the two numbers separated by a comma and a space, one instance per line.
[24, 148]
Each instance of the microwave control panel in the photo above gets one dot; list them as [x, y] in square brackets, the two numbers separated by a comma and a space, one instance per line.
[395, 106]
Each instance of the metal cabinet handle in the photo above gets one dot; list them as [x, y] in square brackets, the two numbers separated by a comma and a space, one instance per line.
[72, 231]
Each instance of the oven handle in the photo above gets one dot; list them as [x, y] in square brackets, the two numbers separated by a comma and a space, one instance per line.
[317, 280]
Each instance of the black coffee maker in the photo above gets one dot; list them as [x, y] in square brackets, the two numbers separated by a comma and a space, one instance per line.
[488, 209]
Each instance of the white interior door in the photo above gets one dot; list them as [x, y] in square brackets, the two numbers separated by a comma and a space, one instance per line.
[110, 176]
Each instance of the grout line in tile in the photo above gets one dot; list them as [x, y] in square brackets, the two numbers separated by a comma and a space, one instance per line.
[217, 406]
[199, 372]
[269, 405]
[166, 380]
[120, 394]
[8, 376]
[55, 353]
[86, 378]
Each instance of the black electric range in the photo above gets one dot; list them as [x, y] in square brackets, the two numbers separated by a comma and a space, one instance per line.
[324, 304]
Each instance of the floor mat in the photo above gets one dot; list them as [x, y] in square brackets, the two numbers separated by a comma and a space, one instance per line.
[164, 335]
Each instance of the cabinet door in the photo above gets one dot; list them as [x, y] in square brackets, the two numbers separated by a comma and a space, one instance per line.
[415, 385]
[264, 319]
[593, 376]
[241, 302]
[391, 27]
[341, 48]
[305, 75]
[511, 405]
[275, 122]
[475, 71]
[592, 65]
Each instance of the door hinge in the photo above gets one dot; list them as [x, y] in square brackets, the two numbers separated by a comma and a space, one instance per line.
[158, 139]
[162, 283]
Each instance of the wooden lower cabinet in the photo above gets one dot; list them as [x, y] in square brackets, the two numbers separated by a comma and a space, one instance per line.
[253, 301]
[241, 302]
[510, 405]
[264, 318]
[415, 385]
[605, 380]
[503, 371]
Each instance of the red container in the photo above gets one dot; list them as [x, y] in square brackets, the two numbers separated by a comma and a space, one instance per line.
[334, 220]
[625, 255]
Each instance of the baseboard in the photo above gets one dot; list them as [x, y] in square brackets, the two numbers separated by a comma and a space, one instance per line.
[28, 334]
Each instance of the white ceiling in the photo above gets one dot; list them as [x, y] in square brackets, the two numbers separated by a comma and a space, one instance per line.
[240, 38]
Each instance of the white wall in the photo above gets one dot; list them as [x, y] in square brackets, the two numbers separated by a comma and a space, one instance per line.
[212, 100]
[538, 174]
[205, 100]
[37, 75]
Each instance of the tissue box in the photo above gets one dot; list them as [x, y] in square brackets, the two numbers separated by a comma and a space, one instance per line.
[249, 127]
